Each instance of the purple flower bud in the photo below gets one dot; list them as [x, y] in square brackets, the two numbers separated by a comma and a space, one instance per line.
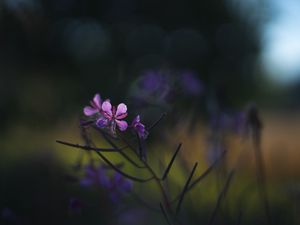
[139, 128]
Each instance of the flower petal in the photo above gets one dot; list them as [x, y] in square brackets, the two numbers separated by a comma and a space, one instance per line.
[136, 120]
[102, 122]
[106, 107]
[122, 109]
[122, 124]
[97, 101]
[89, 111]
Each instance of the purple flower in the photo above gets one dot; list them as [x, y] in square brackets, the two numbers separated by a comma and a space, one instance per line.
[233, 122]
[94, 177]
[116, 185]
[154, 84]
[95, 106]
[113, 116]
[191, 84]
[139, 128]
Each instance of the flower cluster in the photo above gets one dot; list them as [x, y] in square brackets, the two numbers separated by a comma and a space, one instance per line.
[107, 116]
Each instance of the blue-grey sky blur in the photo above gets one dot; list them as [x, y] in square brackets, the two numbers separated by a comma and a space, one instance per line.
[277, 23]
[281, 41]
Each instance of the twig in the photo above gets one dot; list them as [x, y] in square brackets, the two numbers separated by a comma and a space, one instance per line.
[206, 172]
[120, 152]
[255, 125]
[164, 214]
[89, 148]
[121, 172]
[156, 122]
[185, 188]
[220, 197]
[171, 162]
[201, 177]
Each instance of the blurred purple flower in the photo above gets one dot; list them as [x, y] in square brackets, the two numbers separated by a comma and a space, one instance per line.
[95, 106]
[94, 177]
[116, 185]
[190, 84]
[139, 128]
[113, 117]
[155, 84]
[234, 122]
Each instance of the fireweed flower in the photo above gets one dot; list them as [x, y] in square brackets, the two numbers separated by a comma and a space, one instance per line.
[139, 128]
[95, 106]
[113, 117]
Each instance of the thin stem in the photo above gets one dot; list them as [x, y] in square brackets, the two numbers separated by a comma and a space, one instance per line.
[120, 152]
[156, 122]
[121, 172]
[164, 214]
[220, 197]
[261, 177]
[201, 177]
[89, 148]
[185, 189]
[171, 162]
[206, 172]
[156, 178]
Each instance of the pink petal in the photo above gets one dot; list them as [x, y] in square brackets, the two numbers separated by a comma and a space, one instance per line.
[122, 109]
[89, 111]
[106, 107]
[97, 101]
[122, 124]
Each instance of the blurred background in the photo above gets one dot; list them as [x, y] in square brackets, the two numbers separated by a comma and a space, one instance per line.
[198, 61]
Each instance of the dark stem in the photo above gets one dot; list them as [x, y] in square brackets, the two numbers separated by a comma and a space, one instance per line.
[201, 177]
[164, 213]
[89, 148]
[120, 152]
[185, 189]
[220, 197]
[121, 172]
[206, 172]
[171, 162]
[260, 172]
[156, 122]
